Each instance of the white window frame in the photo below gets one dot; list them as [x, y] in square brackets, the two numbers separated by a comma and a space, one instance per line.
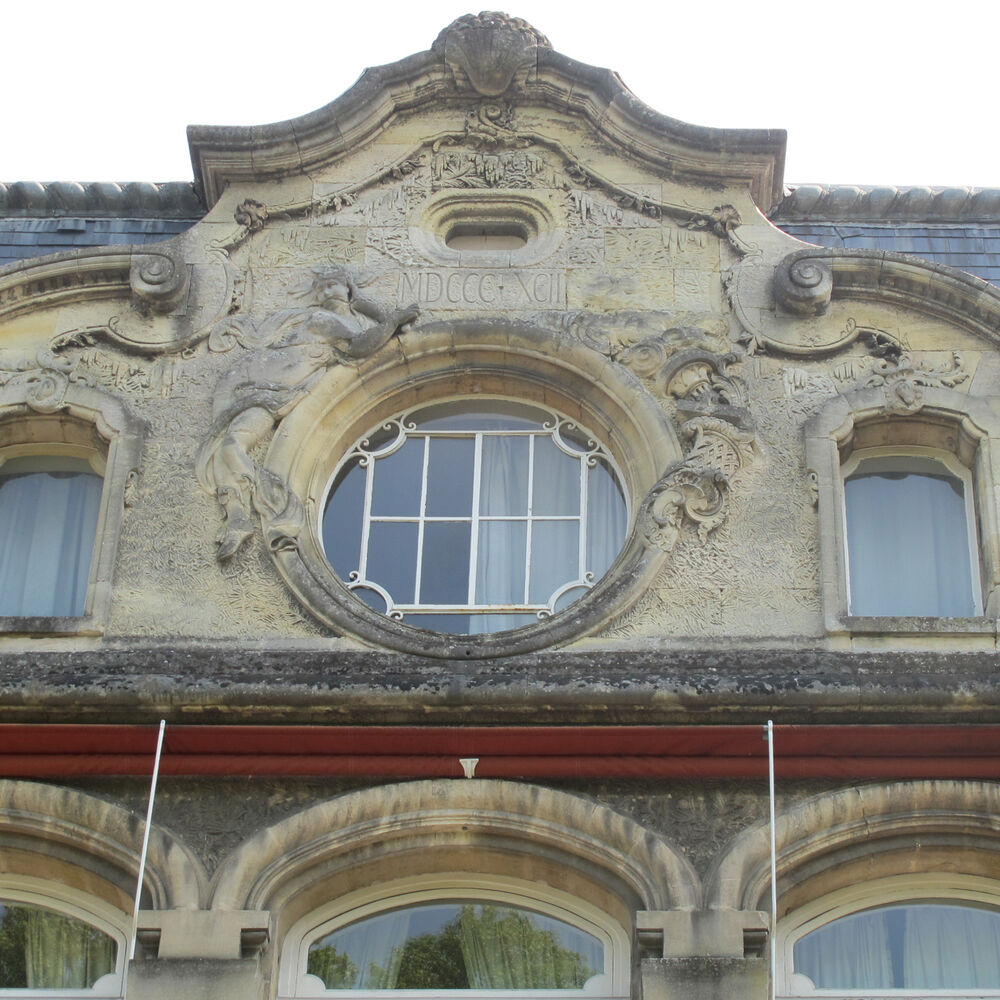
[71, 903]
[955, 427]
[94, 425]
[406, 431]
[613, 984]
[954, 468]
[937, 887]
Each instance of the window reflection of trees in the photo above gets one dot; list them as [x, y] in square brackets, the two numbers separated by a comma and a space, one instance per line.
[42, 949]
[481, 946]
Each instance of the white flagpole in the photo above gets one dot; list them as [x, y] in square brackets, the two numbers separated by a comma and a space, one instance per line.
[145, 844]
[774, 864]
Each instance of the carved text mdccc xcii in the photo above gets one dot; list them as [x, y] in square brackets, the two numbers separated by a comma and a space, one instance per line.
[283, 358]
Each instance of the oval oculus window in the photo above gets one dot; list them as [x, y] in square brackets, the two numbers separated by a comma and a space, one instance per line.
[474, 517]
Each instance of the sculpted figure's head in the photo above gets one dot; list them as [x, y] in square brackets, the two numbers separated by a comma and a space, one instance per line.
[329, 286]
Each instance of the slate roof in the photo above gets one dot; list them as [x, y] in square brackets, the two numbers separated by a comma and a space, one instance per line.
[975, 249]
[959, 227]
[21, 238]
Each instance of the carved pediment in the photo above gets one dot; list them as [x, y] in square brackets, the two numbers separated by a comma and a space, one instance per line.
[488, 55]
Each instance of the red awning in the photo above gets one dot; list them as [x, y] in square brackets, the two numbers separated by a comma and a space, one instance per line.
[847, 752]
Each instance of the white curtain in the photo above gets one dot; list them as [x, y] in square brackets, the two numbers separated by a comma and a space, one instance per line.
[951, 947]
[60, 952]
[908, 543]
[47, 524]
[850, 953]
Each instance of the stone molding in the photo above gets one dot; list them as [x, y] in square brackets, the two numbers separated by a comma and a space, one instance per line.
[826, 832]
[99, 839]
[806, 281]
[282, 860]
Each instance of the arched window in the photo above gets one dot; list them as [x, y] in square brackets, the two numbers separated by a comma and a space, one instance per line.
[912, 543]
[64, 945]
[465, 940]
[934, 934]
[49, 507]
[474, 517]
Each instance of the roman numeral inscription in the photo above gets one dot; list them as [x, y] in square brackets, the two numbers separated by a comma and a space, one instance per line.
[472, 288]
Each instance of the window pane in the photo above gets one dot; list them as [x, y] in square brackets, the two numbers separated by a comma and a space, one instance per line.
[41, 949]
[344, 511]
[396, 486]
[449, 477]
[462, 945]
[607, 519]
[48, 520]
[392, 558]
[501, 564]
[555, 547]
[908, 542]
[504, 484]
[557, 480]
[445, 568]
[918, 946]
[480, 415]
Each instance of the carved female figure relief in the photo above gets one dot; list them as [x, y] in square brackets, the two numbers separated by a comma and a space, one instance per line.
[288, 353]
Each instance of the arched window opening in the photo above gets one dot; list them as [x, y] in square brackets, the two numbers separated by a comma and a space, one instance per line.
[469, 937]
[919, 945]
[930, 935]
[911, 536]
[461, 945]
[474, 517]
[62, 946]
[49, 507]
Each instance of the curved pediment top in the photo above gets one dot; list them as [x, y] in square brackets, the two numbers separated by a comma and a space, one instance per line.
[489, 55]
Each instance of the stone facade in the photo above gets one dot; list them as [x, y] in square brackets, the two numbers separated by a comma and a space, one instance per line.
[623, 275]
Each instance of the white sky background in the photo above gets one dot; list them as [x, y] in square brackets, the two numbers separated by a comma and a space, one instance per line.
[870, 92]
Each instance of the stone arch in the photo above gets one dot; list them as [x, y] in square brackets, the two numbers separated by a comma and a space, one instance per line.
[92, 845]
[497, 827]
[867, 831]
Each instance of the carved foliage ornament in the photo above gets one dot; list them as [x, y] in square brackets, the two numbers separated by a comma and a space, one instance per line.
[903, 380]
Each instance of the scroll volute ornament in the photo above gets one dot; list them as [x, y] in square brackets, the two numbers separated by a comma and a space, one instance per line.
[488, 49]
[159, 280]
[803, 284]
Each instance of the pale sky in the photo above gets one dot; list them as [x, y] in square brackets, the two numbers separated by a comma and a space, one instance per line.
[869, 92]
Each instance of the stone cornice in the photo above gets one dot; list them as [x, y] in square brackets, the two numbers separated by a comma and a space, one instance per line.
[154, 273]
[226, 155]
[849, 203]
[721, 684]
[806, 281]
[30, 199]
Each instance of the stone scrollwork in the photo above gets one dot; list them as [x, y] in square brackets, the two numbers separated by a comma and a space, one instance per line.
[278, 362]
[803, 284]
[720, 443]
[702, 384]
[159, 280]
[686, 491]
[488, 49]
[904, 379]
[46, 377]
